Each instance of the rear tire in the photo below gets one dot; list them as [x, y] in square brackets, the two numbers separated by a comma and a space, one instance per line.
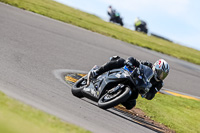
[121, 23]
[105, 103]
[78, 87]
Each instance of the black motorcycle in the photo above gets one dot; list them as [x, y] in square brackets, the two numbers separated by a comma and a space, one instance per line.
[117, 19]
[113, 87]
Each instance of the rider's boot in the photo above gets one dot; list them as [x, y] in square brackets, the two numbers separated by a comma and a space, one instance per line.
[92, 74]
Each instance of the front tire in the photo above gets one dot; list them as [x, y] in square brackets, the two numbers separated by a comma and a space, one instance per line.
[107, 101]
[78, 87]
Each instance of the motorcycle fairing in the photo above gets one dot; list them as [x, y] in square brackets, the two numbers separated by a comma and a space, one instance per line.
[108, 80]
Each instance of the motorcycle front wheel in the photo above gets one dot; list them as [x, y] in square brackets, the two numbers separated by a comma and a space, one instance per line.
[78, 87]
[109, 100]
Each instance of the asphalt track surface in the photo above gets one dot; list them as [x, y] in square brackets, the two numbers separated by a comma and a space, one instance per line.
[32, 47]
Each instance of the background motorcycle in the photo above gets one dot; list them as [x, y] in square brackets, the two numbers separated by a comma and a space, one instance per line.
[117, 19]
[142, 27]
[113, 87]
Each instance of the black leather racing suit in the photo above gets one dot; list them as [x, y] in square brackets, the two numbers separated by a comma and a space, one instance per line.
[117, 62]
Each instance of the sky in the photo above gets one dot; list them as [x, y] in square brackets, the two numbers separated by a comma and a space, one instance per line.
[176, 20]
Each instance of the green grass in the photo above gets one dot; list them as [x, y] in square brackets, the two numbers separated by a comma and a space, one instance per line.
[70, 15]
[179, 114]
[20, 118]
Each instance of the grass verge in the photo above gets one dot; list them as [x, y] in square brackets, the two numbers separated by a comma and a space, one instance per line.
[177, 113]
[20, 118]
[70, 15]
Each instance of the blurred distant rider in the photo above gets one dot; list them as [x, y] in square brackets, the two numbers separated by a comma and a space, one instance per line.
[140, 25]
[111, 13]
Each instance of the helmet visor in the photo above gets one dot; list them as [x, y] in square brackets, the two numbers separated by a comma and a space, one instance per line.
[161, 75]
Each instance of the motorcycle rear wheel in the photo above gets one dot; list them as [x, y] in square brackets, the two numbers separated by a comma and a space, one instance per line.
[78, 87]
[111, 100]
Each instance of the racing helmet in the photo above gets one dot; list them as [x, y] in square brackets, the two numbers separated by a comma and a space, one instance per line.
[160, 69]
[136, 19]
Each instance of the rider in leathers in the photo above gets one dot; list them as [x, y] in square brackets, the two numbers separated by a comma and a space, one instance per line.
[160, 68]
[111, 13]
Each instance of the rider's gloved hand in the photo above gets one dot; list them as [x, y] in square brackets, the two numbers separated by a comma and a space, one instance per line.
[129, 64]
[132, 62]
[147, 63]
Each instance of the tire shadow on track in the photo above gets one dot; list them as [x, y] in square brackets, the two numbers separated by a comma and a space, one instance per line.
[69, 77]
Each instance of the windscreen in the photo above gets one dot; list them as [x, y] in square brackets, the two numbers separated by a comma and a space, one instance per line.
[147, 71]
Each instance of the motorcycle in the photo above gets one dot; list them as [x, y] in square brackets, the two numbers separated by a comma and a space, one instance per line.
[142, 27]
[113, 87]
[117, 19]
